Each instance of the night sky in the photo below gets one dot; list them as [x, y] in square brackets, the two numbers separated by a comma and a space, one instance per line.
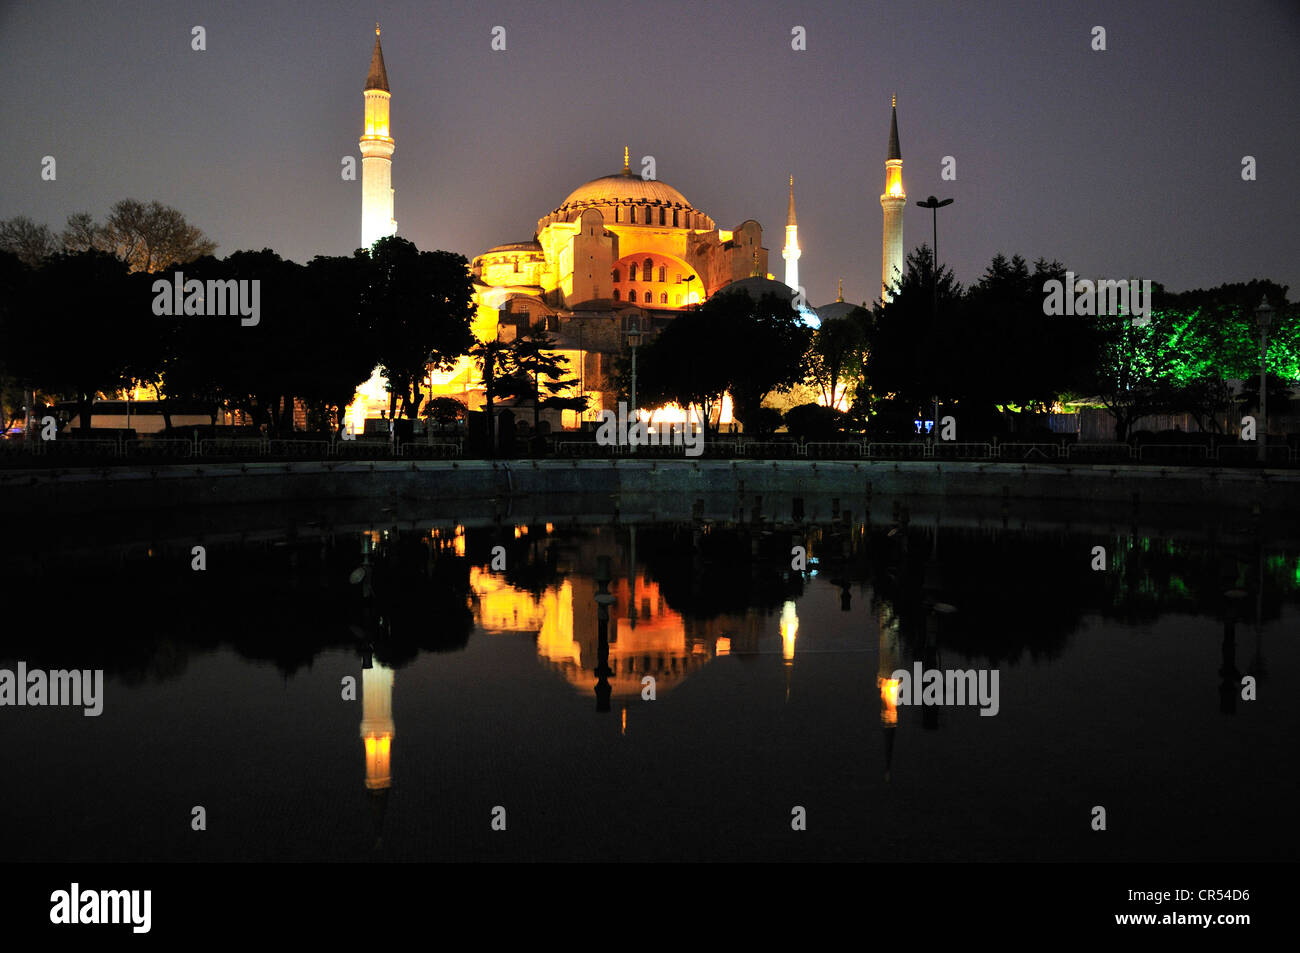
[1123, 163]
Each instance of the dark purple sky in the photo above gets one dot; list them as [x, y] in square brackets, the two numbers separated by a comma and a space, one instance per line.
[1123, 163]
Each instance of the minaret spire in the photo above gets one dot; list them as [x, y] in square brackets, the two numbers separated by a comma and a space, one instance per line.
[378, 78]
[894, 151]
[892, 202]
[840, 295]
[791, 251]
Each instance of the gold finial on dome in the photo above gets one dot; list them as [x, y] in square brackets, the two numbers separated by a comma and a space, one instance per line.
[893, 102]
[840, 297]
[376, 28]
[627, 168]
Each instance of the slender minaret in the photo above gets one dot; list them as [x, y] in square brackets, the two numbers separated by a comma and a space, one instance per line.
[377, 155]
[893, 202]
[791, 251]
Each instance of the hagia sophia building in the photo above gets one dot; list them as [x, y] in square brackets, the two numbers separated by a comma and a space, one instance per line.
[621, 252]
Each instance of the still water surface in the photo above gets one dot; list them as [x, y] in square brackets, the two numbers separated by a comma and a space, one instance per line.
[478, 687]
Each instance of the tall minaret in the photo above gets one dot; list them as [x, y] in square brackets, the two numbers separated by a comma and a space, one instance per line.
[791, 251]
[893, 202]
[377, 155]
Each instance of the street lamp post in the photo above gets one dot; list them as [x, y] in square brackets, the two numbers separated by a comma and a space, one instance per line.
[1264, 315]
[633, 339]
[934, 204]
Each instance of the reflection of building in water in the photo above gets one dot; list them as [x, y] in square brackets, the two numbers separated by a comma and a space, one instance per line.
[789, 628]
[377, 725]
[652, 639]
[887, 664]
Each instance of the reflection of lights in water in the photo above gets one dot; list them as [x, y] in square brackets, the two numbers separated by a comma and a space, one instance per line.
[624, 719]
[789, 627]
[377, 729]
[722, 646]
[889, 688]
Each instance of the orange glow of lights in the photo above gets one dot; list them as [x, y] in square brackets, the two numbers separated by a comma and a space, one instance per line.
[722, 646]
[624, 720]
[378, 775]
[789, 628]
[888, 700]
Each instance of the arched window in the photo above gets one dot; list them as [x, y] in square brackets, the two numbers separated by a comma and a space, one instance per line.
[649, 298]
[615, 294]
[617, 276]
[677, 299]
[662, 272]
[648, 269]
[631, 214]
[675, 218]
[618, 213]
[631, 272]
[663, 298]
[663, 213]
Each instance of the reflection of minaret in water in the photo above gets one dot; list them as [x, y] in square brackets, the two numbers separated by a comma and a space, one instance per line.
[789, 629]
[887, 664]
[377, 728]
[603, 601]
[1229, 677]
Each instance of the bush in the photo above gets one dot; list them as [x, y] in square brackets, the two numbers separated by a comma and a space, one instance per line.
[813, 422]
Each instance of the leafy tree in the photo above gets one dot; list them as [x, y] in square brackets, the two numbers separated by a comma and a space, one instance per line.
[445, 411]
[419, 305]
[539, 369]
[494, 362]
[767, 343]
[86, 328]
[336, 350]
[908, 358]
[836, 353]
[686, 365]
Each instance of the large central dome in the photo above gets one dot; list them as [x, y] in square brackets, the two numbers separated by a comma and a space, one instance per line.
[623, 188]
[628, 199]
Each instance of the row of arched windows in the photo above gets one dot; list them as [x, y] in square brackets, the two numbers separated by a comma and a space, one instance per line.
[647, 296]
[647, 216]
[647, 272]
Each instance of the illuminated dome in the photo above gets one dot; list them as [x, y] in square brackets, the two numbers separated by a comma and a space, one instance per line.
[627, 199]
[623, 189]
